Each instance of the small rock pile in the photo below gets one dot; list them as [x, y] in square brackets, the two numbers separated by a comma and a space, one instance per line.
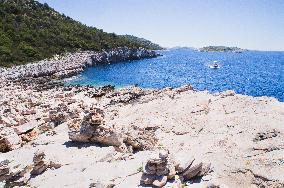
[93, 129]
[41, 163]
[162, 168]
[158, 170]
[14, 174]
[18, 174]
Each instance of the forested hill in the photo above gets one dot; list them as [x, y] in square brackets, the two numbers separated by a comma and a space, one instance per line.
[32, 31]
[142, 41]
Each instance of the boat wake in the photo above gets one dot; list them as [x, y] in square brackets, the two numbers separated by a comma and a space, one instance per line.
[215, 65]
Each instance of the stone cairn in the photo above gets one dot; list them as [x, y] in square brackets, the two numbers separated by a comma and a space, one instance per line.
[93, 129]
[162, 167]
[158, 170]
[40, 163]
[14, 174]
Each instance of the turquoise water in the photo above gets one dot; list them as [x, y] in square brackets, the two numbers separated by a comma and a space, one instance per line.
[252, 72]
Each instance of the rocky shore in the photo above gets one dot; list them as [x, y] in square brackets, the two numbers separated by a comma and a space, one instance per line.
[71, 64]
[52, 135]
[102, 137]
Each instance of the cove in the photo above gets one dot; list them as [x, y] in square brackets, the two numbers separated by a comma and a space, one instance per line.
[254, 73]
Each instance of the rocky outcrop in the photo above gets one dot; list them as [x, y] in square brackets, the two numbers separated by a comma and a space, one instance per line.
[73, 63]
[121, 54]
[112, 134]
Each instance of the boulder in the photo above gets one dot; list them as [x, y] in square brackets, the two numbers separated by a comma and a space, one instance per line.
[27, 127]
[196, 169]
[147, 179]
[172, 171]
[140, 139]
[184, 88]
[30, 136]
[7, 121]
[4, 169]
[92, 128]
[182, 159]
[162, 167]
[192, 171]
[9, 140]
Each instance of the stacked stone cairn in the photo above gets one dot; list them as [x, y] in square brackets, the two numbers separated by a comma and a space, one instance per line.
[162, 167]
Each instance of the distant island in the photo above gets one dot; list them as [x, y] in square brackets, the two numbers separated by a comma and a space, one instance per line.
[221, 49]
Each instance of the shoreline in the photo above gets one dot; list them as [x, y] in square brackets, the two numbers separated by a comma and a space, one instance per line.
[71, 64]
[57, 135]
[56, 70]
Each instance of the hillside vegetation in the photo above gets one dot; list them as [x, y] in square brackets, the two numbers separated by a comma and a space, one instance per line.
[31, 31]
[142, 41]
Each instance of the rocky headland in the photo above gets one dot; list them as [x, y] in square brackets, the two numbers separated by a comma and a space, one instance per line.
[70, 64]
[52, 135]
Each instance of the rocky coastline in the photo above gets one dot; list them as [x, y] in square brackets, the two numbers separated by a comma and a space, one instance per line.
[70, 64]
[52, 135]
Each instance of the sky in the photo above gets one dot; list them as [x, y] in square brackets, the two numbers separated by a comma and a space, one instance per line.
[249, 24]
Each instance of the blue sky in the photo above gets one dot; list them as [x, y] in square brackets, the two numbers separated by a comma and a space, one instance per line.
[251, 24]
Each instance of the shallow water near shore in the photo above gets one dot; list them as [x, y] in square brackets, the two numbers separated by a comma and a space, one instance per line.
[252, 73]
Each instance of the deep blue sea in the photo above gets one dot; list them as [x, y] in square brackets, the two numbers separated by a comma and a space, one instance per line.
[252, 73]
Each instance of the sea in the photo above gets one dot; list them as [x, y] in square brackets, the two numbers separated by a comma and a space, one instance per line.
[254, 73]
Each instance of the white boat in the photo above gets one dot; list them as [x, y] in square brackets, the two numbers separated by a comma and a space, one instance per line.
[214, 66]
